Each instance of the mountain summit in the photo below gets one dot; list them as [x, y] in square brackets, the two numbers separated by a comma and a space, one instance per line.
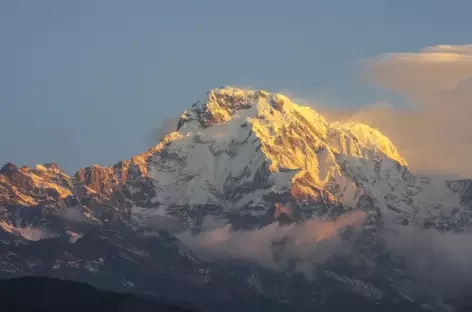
[236, 147]
[249, 160]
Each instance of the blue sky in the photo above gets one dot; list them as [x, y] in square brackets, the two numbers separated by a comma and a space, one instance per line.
[88, 81]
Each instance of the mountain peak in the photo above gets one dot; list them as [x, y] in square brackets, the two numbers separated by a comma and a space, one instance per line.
[8, 167]
[219, 105]
[263, 107]
[234, 137]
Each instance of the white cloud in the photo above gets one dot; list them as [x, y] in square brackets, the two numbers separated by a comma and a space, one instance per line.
[435, 135]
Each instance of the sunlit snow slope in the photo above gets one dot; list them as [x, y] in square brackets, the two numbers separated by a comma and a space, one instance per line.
[235, 148]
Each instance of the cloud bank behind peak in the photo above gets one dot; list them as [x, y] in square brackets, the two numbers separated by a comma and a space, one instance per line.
[435, 134]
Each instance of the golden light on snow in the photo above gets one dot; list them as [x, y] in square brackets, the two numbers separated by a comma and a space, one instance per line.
[302, 148]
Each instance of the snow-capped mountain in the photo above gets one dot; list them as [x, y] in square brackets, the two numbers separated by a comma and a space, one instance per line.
[237, 149]
[246, 158]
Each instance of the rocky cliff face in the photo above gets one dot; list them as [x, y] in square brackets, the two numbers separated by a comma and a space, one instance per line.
[247, 158]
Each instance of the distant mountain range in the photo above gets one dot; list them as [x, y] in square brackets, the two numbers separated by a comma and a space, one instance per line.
[254, 203]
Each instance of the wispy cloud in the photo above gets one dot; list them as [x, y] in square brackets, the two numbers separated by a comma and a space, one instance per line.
[312, 241]
[28, 231]
[74, 214]
[166, 126]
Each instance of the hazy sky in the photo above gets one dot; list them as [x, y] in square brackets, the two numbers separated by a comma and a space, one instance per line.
[88, 81]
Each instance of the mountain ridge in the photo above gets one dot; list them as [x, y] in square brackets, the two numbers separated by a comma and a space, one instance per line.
[299, 152]
[239, 161]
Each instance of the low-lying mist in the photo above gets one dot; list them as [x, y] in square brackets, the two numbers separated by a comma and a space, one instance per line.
[312, 241]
